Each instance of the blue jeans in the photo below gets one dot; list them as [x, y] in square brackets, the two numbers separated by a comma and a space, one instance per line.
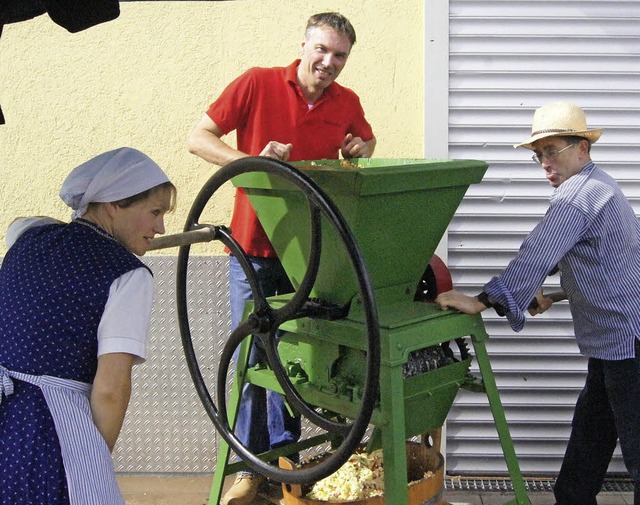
[263, 421]
[607, 409]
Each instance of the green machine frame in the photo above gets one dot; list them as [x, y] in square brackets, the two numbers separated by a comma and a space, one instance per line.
[394, 418]
[397, 210]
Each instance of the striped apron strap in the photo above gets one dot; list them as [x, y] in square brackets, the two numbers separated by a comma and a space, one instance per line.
[87, 461]
[6, 384]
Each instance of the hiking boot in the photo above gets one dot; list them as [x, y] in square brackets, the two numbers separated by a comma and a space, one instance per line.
[244, 489]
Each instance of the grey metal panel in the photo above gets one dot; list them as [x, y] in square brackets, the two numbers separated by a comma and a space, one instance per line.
[549, 62]
[545, 27]
[520, 118]
[511, 97]
[539, 9]
[487, 80]
[166, 429]
[506, 59]
[589, 43]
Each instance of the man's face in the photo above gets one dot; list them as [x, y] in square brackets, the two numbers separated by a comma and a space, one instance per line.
[324, 55]
[559, 158]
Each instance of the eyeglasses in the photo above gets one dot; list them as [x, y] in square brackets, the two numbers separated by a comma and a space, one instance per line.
[550, 156]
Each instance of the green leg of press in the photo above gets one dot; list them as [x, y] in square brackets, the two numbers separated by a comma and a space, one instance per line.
[232, 408]
[393, 435]
[501, 424]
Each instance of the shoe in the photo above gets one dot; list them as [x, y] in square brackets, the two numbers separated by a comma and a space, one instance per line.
[244, 489]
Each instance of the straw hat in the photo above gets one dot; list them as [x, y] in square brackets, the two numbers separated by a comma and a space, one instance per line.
[560, 119]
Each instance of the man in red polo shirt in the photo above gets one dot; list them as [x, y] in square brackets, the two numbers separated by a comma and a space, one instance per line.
[289, 113]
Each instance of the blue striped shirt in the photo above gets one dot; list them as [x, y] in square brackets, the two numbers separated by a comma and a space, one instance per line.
[592, 236]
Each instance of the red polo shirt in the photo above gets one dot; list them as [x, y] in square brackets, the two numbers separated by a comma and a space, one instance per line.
[266, 104]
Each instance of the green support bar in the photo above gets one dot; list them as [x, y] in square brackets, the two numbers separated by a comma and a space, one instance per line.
[222, 460]
[393, 434]
[501, 423]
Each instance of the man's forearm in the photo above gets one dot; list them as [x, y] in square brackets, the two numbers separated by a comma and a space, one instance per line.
[210, 148]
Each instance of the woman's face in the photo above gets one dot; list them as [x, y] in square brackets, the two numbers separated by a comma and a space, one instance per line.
[134, 226]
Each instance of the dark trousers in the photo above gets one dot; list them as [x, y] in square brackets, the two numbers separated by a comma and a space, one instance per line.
[608, 409]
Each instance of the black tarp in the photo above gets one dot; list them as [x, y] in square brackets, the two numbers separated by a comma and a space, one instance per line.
[73, 15]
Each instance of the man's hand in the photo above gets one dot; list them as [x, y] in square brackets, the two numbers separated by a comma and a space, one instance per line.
[542, 303]
[355, 147]
[455, 300]
[277, 150]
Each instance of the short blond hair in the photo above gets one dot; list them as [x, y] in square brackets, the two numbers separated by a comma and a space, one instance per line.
[335, 21]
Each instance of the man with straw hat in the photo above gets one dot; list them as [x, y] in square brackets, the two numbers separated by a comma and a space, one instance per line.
[591, 236]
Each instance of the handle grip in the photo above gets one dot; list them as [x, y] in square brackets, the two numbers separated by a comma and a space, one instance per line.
[204, 234]
[555, 296]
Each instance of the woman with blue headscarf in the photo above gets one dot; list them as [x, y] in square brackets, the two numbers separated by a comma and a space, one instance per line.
[75, 305]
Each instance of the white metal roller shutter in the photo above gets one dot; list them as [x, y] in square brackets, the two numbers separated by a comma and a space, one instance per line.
[506, 58]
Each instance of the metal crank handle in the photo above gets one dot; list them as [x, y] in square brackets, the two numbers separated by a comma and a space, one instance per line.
[203, 234]
[556, 296]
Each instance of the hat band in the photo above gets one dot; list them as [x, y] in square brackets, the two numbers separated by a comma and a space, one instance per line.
[553, 131]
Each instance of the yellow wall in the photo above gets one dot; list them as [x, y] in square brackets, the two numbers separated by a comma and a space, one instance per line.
[144, 79]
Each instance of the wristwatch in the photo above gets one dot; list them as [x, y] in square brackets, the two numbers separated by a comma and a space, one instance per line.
[484, 299]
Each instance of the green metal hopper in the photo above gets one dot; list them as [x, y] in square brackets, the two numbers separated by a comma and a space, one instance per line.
[398, 210]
